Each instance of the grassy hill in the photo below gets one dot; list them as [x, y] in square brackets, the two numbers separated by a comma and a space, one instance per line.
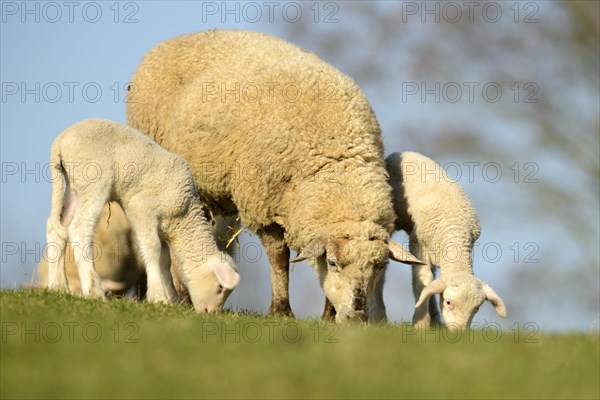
[58, 346]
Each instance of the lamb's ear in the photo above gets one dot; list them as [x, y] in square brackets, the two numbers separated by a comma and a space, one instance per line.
[401, 254]
[225, 273]
[437, 286]
[495, 300]
[315, 248]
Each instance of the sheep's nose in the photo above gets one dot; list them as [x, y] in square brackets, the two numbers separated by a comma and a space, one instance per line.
[359, 317]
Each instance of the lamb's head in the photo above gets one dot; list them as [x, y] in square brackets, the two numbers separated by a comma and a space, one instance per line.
[211, 284]
[461, 295]
[347, 266]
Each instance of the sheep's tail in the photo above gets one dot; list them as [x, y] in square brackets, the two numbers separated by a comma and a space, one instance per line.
[57, 234]
[59, 176]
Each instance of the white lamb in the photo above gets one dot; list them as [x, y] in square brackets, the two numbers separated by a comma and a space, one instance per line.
[159, 198]
[443, 226]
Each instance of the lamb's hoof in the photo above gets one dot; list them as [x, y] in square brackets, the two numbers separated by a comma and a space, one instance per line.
[159, 300]
[281, 309]
[164, 296]
[59, 288]
[97, 294]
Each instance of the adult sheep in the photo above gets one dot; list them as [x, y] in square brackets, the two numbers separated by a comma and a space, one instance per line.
[287, 141]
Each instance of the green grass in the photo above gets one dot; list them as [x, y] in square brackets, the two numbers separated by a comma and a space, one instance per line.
[57, 346]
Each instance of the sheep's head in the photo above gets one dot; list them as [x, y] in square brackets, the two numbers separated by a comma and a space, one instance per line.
[347, 267]
[212, 283]
[461, 295]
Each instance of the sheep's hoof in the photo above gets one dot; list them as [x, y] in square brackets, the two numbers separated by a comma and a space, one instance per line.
[281, 309]
[328, 312]
[378, 318]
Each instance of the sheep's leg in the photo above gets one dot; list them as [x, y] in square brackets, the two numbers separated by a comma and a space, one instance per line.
[328, 311]
[377, 312]
[279, 256]
[81, 231]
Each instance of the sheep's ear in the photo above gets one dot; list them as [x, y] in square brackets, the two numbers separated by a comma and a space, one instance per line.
[332, 254]
[401, 254]
[437, 286]
[495, 300]
[225, 273]
[315, 248]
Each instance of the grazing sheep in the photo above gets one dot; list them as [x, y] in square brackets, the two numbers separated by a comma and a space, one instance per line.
[117, 262]
[443, 227]
[159, 199]
[287, 141]
[222, 230]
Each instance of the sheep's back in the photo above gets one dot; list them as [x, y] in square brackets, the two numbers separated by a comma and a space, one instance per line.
[437, 205]
[308, 117]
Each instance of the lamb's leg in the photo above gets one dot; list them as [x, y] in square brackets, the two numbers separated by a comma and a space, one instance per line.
[57, 238]
[141, 288]
[422, 275]
[158, 263]
[180, 288]
[57, 235]
[154, 252]
[434, 311]
[81, 231]
[279, 256]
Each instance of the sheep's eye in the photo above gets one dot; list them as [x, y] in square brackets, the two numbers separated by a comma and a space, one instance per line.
[448, 302]
[331, 264]
[220, 289]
